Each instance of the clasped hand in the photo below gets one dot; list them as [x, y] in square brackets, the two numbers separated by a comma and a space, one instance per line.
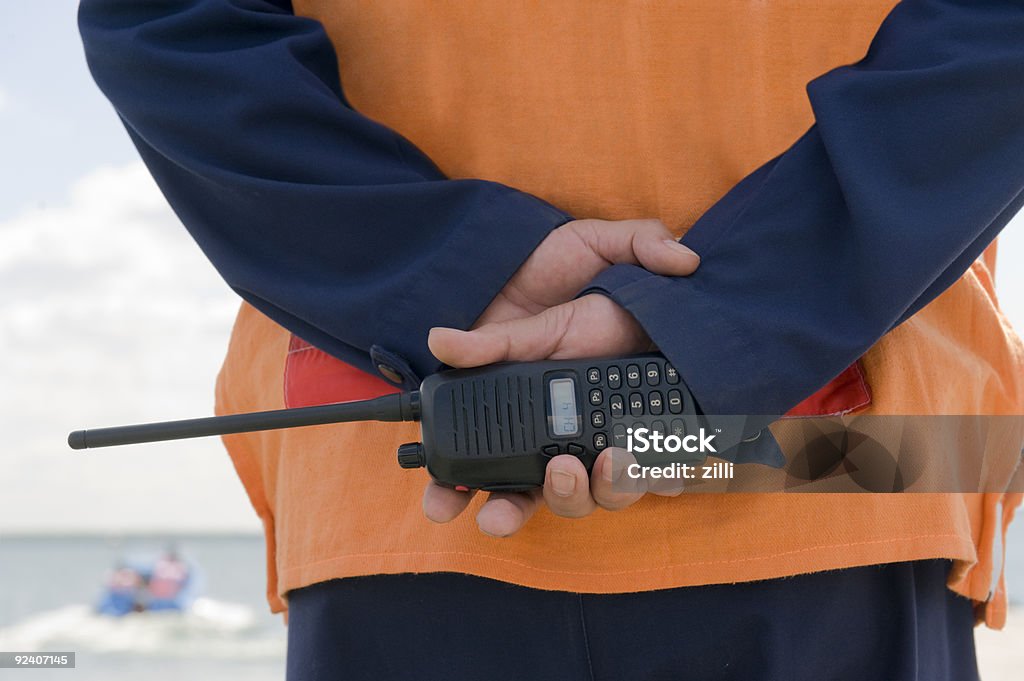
[535, 317]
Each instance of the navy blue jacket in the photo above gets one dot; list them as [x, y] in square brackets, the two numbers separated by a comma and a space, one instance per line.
[343, 232]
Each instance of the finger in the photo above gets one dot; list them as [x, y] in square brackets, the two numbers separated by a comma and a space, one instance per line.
[443, 504]
[525, 339]
[663, 255]
[505, 513]
[610, 483]
[600, 327]
[640, 242]
[567, 487]
[665, 487]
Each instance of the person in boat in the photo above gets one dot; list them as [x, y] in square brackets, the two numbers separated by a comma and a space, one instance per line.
[167, 581]
[124, 592]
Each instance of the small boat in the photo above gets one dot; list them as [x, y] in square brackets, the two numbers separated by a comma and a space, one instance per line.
[147, 584]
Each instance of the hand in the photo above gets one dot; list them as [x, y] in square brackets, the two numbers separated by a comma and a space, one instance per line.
[591, 326]
[572, 255]
[534, 319]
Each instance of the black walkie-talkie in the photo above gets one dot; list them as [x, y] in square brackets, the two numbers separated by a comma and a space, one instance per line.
[495, 427]
[490, 428]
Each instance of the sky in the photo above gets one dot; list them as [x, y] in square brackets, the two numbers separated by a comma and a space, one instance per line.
[110, 313]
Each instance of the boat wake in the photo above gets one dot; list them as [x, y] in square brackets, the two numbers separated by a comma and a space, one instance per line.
[210, 628]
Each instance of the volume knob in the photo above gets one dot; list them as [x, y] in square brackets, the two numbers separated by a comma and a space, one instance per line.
[411, 455]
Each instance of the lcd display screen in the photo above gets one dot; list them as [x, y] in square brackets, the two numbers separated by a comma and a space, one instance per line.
[564, 419]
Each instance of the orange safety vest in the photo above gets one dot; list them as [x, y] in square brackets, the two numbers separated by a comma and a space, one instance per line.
[610, 110]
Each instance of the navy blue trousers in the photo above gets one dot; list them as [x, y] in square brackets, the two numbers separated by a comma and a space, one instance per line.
[892, 622]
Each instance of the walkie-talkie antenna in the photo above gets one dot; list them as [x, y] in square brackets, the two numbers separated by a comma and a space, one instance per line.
[396, 407]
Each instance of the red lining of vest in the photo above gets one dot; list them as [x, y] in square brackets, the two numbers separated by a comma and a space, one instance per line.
[312, 377]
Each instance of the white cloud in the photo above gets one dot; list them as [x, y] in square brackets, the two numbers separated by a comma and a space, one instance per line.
[110, 314]
[5, 100]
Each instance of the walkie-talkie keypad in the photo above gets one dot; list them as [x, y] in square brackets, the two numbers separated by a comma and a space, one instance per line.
[633, 395]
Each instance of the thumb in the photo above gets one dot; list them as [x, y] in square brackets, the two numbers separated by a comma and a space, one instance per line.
[522, 340]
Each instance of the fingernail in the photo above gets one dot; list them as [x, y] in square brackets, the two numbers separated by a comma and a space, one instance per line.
[608, 472]
[563, 484]
[447, 328]
[680, 248]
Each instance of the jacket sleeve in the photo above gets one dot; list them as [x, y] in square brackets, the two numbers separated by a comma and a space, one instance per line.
[914, 164]
[331, 224]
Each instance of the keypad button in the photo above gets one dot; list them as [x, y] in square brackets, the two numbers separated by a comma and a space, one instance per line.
[653, 373]
[597, 419]
[550, 450]
[575, 449]
[594, 375]
[600, 441]
[636, 404]
[614, 378]
[633, 376]
[675, 401]
[619, 435]
[678, 428]
[596, 397]
[671, 375]
[616, 405]
[655, 403]
[659, 427]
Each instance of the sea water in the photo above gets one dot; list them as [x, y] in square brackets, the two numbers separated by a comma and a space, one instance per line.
[49, 585]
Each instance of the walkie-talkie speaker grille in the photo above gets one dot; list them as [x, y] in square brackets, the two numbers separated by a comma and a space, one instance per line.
[488, 419]
[493, 416]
